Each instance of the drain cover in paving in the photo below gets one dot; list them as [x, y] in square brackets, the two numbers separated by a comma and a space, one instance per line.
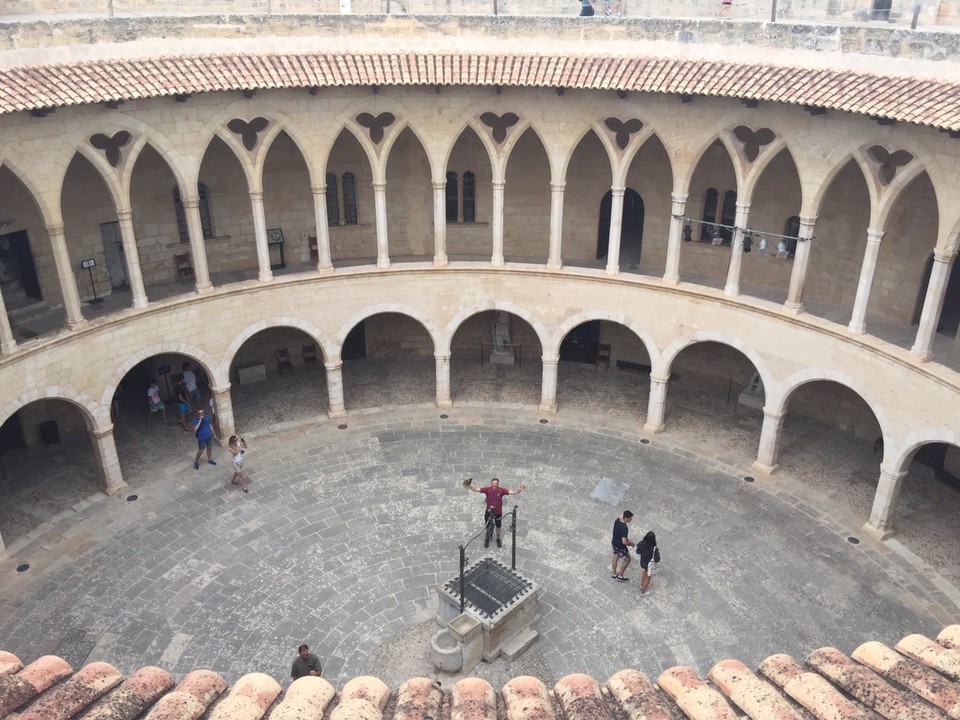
[609, 491]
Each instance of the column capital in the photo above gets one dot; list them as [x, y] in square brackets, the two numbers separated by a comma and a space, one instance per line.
[557, 187]
[679, 198]
[618, 191]
[743, 207]
[552, 361]
[379, 185]
[439, 184]
[891, 474]
[773, 415]
[807, 222]
[256, 196]
[219, 390]
[102, 432]
[943, 256]
[659, 379]
[874, 235]
[124, 214]
[190, 203]
[498, 184]
[441, 357]
[54, 229]
[320, 189]
[333, 366]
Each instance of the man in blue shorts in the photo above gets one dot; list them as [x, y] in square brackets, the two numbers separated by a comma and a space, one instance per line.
[204, 432]
[621, 546]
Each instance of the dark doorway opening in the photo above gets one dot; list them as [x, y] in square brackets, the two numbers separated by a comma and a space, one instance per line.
[631, 227]
[17, 259]
[355, 346]
[581, 344]
[11, 435]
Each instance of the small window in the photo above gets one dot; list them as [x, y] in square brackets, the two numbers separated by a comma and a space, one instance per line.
[709, 214]
[206, 219]
[452, 197]
[333, 201]
[469, 197]
[349, 199]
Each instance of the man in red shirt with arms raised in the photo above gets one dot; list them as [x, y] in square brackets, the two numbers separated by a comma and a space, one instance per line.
[494, 511]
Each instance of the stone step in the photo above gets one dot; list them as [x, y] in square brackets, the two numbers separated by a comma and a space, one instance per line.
[518, 643]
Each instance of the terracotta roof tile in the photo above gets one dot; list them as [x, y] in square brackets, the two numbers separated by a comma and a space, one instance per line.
[927, 102]
[915, 680]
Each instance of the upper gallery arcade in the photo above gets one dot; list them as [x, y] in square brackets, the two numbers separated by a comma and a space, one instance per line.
[801, 210]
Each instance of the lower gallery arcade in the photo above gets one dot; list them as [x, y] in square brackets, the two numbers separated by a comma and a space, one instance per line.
[364, 247]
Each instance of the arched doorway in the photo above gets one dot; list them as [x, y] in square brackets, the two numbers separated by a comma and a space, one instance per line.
[631, 227]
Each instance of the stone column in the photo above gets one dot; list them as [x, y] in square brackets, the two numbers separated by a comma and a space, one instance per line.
[65, 276]
[380, 203]
[132, 256]
[497, 259]
[265, 274]
[616, 224]
[8, 344]
[223, 410]
[671, 271]
[933, 304]
[324, 263]
[555, 258]
[443, 381]
[439, 223]
[656, 404]
[732, 288]
[198, 250]
[867, 268]
[769, 450]
[335, 390]
[801, 259]
[108, 464]
[885, 500]
[548, 385]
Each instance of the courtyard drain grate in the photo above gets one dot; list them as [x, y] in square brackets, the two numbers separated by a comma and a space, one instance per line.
[749, 479]
[444, 416]
[23, 568]
[131, 498]
[853, 540]
[543, 421]
[644, 441]
[342, 426]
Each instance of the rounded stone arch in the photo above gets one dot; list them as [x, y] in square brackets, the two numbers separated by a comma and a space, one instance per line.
[456, 321]
[468, 120]
[670, 354]
[96, 416]
[198, 355]
[322, 339]
[414, 313]
[50, 214]
[789, 385]
[574, 321]
[829, 175]
[915, 440]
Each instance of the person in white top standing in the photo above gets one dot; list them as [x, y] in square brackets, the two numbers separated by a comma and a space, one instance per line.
[190, 379]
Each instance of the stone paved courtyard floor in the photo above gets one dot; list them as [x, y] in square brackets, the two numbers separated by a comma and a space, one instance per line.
[346, 533]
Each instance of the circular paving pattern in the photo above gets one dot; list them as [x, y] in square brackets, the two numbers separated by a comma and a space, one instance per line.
[346, 534]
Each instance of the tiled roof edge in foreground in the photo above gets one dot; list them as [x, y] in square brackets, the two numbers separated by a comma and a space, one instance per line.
[917, 679]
